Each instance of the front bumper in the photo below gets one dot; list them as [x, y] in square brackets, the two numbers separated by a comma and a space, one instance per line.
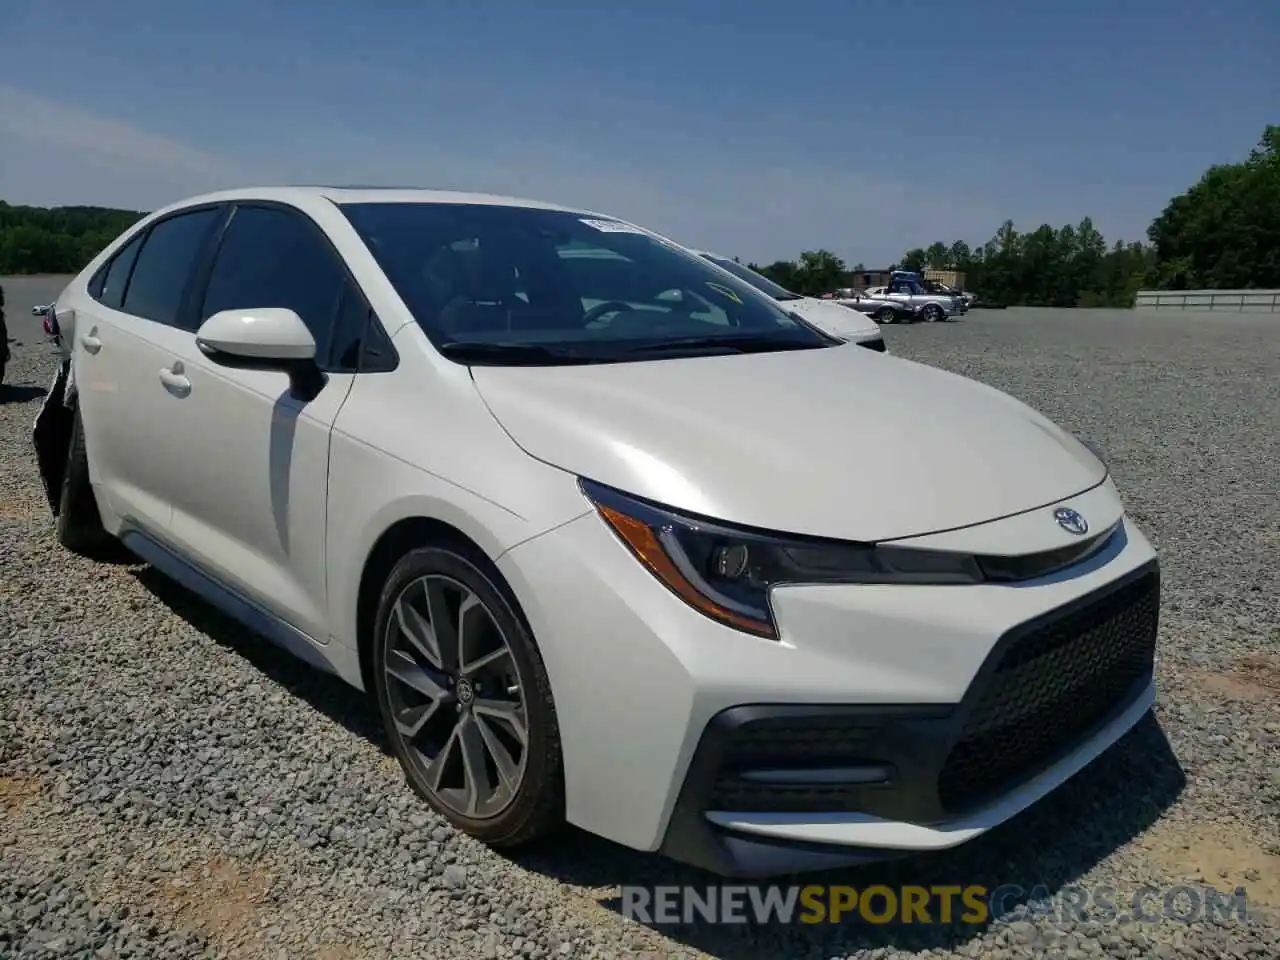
[783, 788]
[667, 719]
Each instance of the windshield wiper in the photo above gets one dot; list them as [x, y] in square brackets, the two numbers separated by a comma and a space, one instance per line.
[740, 344]
[788, 296]
[515, 354]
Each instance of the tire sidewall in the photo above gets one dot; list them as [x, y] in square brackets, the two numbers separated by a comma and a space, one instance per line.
[542, 763]
[75, 486]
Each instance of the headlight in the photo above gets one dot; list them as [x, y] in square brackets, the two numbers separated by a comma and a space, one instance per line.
[727, 572]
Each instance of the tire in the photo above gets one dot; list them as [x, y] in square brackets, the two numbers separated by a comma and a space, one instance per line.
[931, 312]
[79, 524]
[885, 315]
[449, 578]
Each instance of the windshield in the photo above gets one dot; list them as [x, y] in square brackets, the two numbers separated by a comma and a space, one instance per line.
[757, 280]
[492, 283]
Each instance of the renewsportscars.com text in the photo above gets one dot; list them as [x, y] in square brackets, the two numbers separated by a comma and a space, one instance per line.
[944, 904]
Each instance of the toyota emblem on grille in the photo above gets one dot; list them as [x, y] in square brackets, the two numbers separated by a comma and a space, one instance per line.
[1071, 521]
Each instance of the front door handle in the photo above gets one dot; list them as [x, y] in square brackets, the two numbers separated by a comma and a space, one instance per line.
[90, 341]
[175, 381]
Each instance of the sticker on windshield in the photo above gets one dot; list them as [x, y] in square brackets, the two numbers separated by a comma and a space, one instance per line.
[612, 226]
[721, 289]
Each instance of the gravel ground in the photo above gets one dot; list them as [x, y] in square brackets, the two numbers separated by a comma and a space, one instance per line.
[171, 787]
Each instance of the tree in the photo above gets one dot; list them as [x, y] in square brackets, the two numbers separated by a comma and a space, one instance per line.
[58, 240]
[785, 273]
[1065, 266]
[937, 256]
[821, 271]
[1224, 232]
[914, 260]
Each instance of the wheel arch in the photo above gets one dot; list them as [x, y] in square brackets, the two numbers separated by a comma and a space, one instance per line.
[402, 536]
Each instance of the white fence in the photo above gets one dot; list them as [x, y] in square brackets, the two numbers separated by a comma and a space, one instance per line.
[1233, 301]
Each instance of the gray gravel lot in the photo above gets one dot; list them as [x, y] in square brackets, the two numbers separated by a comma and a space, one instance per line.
[171, 787]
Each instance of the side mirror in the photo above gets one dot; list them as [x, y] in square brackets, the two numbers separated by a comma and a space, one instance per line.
[271, 335]
[268, 338]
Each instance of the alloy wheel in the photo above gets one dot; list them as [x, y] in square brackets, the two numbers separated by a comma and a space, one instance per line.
[456, 696]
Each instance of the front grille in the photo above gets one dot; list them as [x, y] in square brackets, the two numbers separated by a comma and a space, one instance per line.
[1050, 688]
[1032, 565]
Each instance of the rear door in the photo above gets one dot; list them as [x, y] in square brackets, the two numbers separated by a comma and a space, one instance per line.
[121, 350]
[250, 509]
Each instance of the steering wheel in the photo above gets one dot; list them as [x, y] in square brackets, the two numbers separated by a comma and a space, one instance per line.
[600, 309]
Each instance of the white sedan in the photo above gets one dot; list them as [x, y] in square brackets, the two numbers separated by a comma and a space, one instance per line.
[828, 315]
[602, 530]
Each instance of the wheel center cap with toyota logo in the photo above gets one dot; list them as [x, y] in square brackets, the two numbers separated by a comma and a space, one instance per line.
[1071, 521]
[466, 692]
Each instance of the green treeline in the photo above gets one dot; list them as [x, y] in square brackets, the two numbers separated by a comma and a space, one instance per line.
[1221, 234]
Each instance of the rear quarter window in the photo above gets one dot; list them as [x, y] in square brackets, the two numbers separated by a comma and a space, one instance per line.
[165, 263]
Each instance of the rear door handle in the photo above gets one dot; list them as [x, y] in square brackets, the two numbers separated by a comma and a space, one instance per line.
[90, 341]
[175, 381]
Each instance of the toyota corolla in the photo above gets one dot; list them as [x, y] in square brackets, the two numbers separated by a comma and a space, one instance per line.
[599, 527]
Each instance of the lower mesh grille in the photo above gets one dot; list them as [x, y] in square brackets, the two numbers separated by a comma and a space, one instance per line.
[1049, 690]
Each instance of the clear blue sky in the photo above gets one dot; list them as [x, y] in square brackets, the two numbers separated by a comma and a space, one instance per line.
[755, 129]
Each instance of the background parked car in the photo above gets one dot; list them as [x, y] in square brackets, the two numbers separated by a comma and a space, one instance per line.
[937, 286]
[906, 288]
[879, 309]
[829, 316]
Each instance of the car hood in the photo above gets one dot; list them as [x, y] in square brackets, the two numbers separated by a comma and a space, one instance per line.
[838, 442]
[833, 318]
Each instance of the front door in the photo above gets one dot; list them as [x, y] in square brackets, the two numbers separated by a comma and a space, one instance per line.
[251, 509]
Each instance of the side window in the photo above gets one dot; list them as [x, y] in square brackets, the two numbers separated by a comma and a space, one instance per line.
[360, 345]
[379, 354]
[116, 276]
[349, 330]
[164, 265]
[271, 257]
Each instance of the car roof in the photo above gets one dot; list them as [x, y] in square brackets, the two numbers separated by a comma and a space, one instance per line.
[370, 194]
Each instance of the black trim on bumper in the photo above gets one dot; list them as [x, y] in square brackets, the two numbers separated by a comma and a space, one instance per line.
[912, 742]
